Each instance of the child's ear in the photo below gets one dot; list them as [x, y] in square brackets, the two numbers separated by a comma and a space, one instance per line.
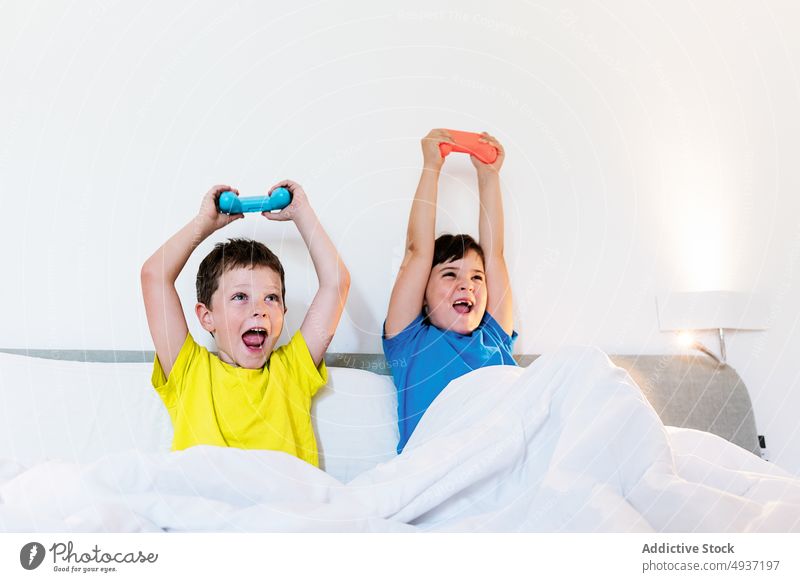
[205, 317]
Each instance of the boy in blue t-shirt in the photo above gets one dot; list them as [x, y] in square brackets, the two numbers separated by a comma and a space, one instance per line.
[450, 310]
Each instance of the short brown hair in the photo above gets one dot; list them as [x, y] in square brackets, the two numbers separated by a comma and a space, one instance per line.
[452, 247]
[235, 253]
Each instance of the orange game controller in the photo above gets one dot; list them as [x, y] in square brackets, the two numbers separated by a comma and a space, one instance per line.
[467, 143]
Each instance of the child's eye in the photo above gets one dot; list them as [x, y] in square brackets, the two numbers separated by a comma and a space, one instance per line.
[239, 297]
[448, 274]
[478, 277]
[272, 297]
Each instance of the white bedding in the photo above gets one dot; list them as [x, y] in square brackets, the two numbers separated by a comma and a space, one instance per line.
[568, 444]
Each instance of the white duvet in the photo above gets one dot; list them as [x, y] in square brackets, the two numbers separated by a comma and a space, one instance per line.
[568, 444]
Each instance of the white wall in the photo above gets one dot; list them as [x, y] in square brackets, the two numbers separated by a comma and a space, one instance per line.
[652, 147]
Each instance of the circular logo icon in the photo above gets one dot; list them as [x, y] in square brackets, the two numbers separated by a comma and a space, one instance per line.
[31, 555]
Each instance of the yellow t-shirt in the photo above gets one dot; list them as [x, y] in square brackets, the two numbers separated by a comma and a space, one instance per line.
[213, 403]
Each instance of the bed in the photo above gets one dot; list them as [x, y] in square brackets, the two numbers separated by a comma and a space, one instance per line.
[84, 419]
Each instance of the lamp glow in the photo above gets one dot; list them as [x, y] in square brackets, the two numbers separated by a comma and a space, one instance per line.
[686, 339]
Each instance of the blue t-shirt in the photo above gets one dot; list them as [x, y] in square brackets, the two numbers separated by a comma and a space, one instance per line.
[424, 359]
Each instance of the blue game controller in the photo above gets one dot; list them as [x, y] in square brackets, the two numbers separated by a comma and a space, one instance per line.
[230, 203]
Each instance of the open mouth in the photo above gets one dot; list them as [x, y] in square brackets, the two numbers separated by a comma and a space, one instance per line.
[254, 338]
[463, 306]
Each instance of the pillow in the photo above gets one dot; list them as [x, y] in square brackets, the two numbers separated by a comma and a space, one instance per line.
[355, 416]
[77, 411]
[81, 411]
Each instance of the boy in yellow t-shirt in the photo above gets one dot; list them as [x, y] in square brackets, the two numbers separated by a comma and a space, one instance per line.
[248, 396]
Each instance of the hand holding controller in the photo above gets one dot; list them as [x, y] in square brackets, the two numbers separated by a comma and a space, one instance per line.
[468, 143]
[230, 203]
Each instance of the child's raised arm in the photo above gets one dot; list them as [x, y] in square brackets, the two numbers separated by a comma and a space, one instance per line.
[408, 294]
[161, 302]
[323, 315]
[491, 231]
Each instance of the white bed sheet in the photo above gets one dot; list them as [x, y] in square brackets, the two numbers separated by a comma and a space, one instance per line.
[568, 444]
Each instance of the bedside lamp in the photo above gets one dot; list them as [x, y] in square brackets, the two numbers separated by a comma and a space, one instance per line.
[711, 310]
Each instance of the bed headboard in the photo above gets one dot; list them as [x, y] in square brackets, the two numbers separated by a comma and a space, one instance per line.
[686, 391]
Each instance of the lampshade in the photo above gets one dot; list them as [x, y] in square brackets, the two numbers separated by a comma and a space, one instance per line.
[712, 310]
